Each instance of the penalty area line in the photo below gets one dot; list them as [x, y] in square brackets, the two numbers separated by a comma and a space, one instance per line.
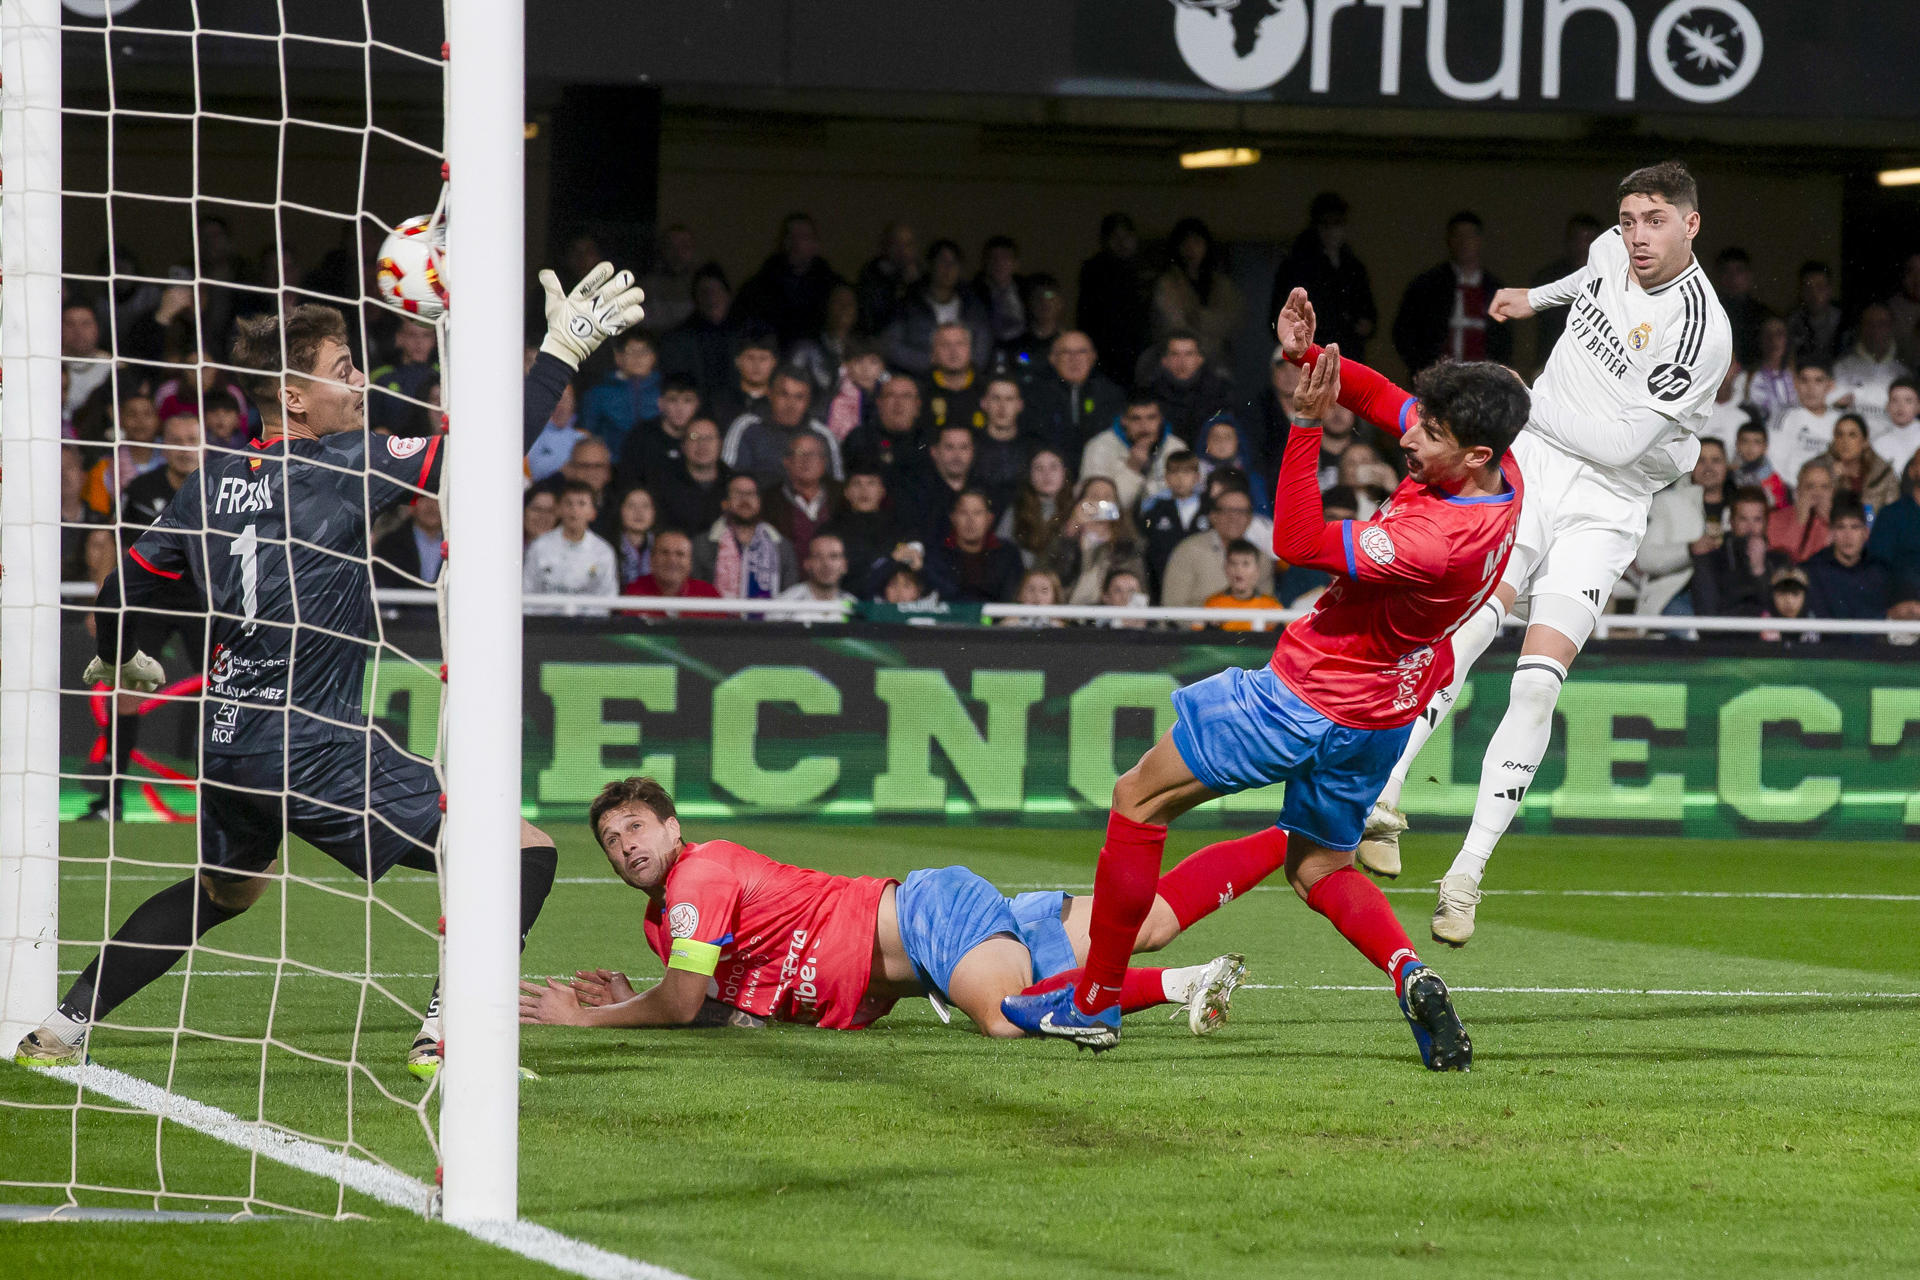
[388, 1186]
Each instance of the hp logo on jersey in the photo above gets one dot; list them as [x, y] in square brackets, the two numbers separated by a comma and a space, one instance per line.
[1669, 381]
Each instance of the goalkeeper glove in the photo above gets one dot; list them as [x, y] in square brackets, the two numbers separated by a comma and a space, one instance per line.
[138, 674]
[601, 305]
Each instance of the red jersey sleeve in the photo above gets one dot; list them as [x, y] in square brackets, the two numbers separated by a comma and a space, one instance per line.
[1368, 393]
[1409, 549]
[702, 905]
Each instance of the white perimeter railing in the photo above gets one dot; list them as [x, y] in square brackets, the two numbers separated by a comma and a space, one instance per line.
[1263, 619]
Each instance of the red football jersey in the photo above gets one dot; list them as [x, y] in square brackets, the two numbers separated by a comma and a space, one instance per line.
[1373, 653]
[793, 944]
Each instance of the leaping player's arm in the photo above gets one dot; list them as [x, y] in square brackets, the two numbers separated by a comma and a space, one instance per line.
[1515, 304]
[1369, 395]
[674, 1002]
[160, 571]
[601, 305]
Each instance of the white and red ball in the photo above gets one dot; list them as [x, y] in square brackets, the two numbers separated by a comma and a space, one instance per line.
[411, 269]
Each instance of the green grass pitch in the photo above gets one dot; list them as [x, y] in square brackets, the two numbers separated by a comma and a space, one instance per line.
[1600, 1134]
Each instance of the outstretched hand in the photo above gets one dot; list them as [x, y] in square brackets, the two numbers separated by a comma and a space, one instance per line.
[1509, 304]
[601, 305]
[551, 1003]
[1294, 325]
[1320, 388]
[601, 987]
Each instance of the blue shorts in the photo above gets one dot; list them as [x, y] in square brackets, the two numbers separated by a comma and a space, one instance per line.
[1244, 729]
[946, 913]
[1044, 932]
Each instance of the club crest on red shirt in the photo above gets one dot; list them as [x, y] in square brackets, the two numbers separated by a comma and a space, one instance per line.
[1377, 544]
[683, 920]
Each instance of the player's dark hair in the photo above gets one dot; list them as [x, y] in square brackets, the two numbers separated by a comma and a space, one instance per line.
[1751, 493]
[1241, 547]
[644, 792]
[257, 344]
[1669, 180]
[1846, 507]
[1480, 403]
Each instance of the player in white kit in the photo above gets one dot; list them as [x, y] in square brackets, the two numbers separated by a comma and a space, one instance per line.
[1614, 421]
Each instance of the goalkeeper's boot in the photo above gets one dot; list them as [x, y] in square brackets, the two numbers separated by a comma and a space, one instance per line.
[1443, 1042]
[1379, 851]
[44, 1048]
[1207, 1007]
[1054, 1014]
[1453, 914]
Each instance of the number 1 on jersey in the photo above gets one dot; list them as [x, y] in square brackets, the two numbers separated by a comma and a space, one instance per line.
[247, 547]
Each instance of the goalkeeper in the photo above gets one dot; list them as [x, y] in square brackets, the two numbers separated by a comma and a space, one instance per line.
[272, 548]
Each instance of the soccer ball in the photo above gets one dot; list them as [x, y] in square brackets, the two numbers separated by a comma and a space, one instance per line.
[412, 268]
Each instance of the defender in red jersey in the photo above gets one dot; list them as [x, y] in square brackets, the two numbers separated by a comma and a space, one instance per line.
[1330, 713]
[746, 938]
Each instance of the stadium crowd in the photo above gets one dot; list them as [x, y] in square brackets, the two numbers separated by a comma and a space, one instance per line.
[932, 431]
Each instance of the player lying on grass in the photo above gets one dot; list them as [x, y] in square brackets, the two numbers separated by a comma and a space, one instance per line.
[770, 940]
[1330, 713]
[270, 544]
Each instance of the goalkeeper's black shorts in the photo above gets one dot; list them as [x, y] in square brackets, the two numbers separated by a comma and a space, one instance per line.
[366, 804]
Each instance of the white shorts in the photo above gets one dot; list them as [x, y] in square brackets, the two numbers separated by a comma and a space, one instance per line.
[1578, 532]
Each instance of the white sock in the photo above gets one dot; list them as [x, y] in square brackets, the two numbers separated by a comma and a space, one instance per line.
[430, 1025]
[68, 1029]
[1513, 757]
[1180, 984]
[1469, 642]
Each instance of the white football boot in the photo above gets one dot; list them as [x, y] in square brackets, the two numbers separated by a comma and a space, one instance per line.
[1453, 916]
[1379, 851]
[1207, 1007]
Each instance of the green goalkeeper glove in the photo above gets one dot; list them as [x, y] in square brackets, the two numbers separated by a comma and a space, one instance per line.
[138, 674]
[601, 305]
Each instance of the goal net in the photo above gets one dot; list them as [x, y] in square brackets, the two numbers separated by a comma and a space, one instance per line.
[162, 185]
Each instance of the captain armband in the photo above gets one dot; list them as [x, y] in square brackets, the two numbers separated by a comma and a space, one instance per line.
[694, 957]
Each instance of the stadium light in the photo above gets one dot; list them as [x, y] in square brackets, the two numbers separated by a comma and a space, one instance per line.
[1893, 177]
[1220, 158]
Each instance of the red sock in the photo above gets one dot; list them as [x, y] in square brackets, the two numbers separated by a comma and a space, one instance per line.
[1123, 889]
[1208, 880]
[1139, 989]
[1360, 912]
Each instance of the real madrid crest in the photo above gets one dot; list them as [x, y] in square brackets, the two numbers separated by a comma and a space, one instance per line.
[1640, 336]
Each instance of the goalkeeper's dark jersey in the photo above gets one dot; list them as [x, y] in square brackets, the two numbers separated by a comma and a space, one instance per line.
[272, 541]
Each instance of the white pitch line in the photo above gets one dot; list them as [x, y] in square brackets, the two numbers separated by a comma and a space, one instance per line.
[390, 1187]
[1597, 991]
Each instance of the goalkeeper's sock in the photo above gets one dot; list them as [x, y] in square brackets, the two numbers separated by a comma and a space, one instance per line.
[163, 927]
[538, 863]
[1360, 912]
[1123, 892]
[1209, 879]
[1139, 988]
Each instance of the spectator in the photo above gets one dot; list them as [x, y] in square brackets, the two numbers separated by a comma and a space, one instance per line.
[1115, 307]
[1899, 440]
[1070, 401]
[1801, 530]
[1122, 589]
[1038, 587]
[789, 292]
[653, 450]
[1841, 581]
[633, 539]
[1576, 242]
[1225, 480]
[150, 493]
[1679, 528]
[224, 423]
[1857, 469]
[412, 554]
[539, 513]
[136, 427]
[938, 300]
[571, 560]
[924, 495]
[866, 529]
[1752, 468]
[757, 443]
[1868, 371]
[1333, 276]
[669, 283]
[852, 401]
[1244, 567]
[825, 567]
[1189, 391]
[902, 586]
[806, 500]
[75, 518]
[755, 358]
[1221, 445]
[689, 492]
[701, 346]
[167, 327]
[671, 575]
[1732, 579]
[743, 556]
[824, 355]
[1712, 475]
[555, 444]
[1813, 326]
[195, 389]
[1097, 537]
[952, 386]
[1805, 430]
[1197, 568]
[397, 391]
[87, 364]
[1040, 506]
[1194, 295]
[1172, 516]
[1025, 354]
[1733, 281]
[891, 444]
[1770, 386]
[1905, 306]
[1371, 479]
[1133, 454]
[1443, 314]
[1269, 416]
[1788, 599]
[1001, 449]
[629, 395]
[590, 464]
[970, 565]
[887, 278]
[1895, 541]
[998, 288]
[1728, 414]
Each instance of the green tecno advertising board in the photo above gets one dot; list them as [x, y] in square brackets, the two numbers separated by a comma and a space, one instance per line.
[1032, 726]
